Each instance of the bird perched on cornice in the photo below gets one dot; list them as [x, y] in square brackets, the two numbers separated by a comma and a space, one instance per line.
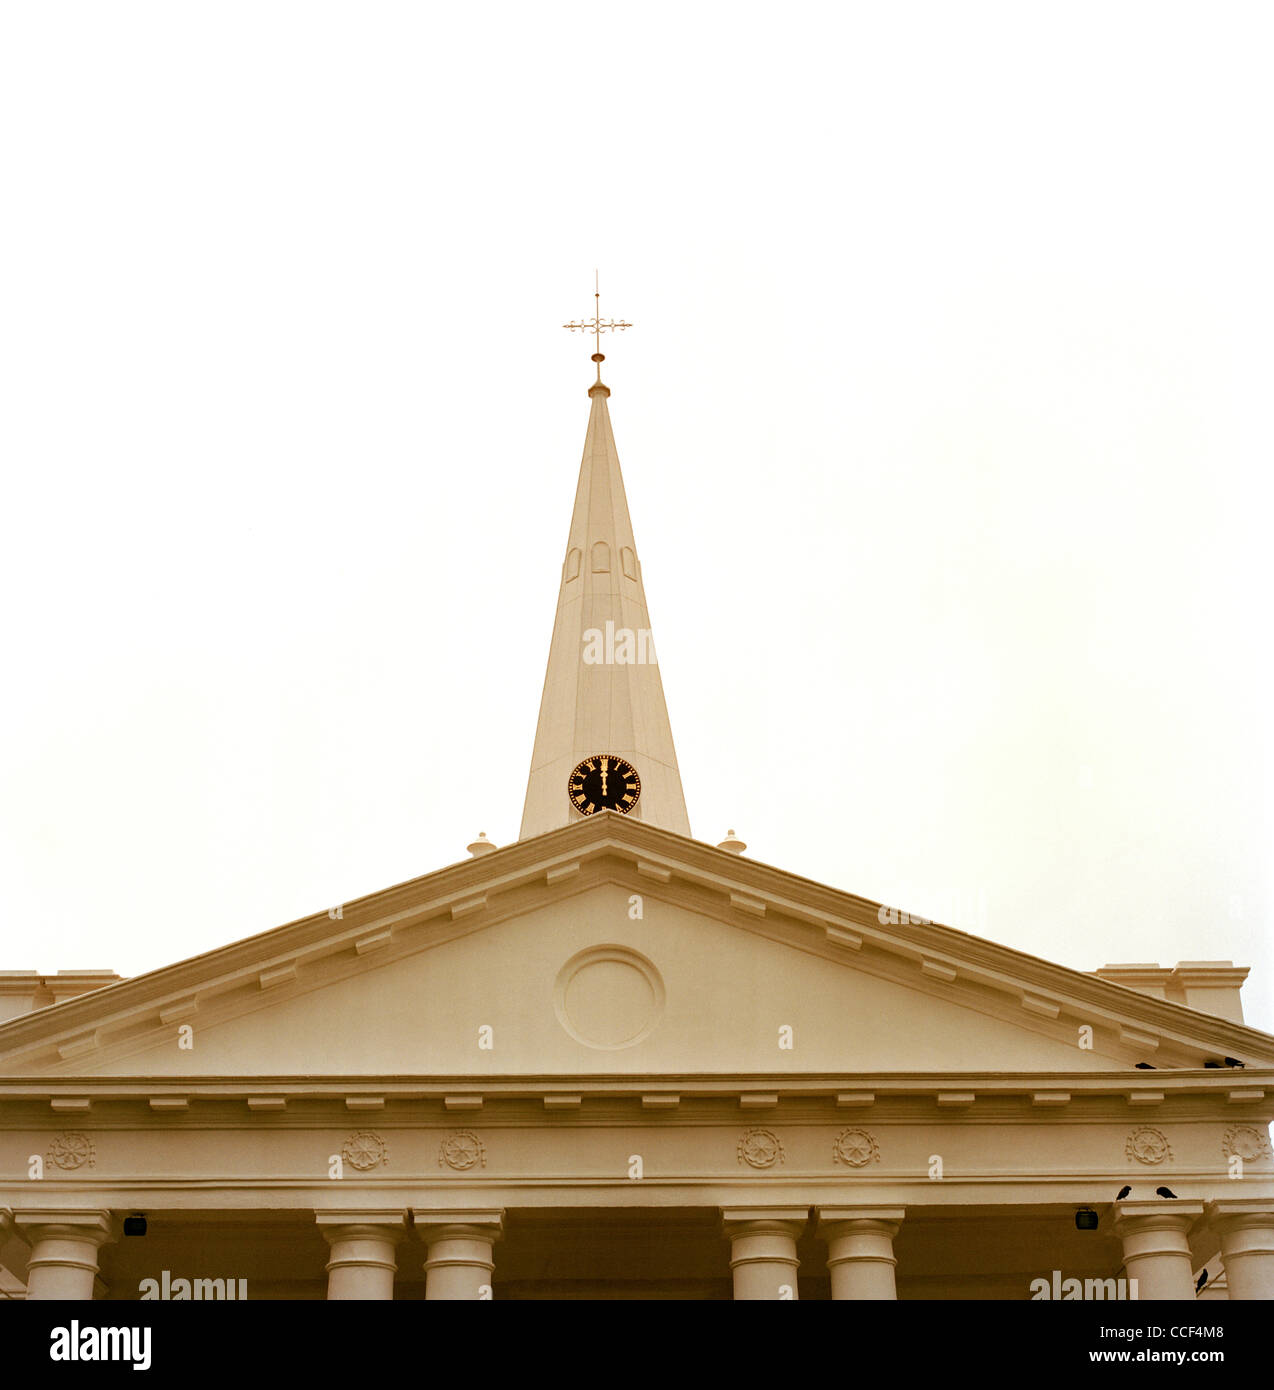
[1122, 1193]
[1165, 1192]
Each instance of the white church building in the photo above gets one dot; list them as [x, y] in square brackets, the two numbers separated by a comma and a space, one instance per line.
[610, 1060]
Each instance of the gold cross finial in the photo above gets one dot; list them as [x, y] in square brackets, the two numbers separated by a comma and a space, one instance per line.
[597, 326]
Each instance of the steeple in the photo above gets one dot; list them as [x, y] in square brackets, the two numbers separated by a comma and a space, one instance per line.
[602, 693]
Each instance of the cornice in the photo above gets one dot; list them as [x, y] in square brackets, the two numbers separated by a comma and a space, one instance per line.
[853, 1093]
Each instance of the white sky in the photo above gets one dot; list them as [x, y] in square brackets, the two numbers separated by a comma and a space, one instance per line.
[945, 422]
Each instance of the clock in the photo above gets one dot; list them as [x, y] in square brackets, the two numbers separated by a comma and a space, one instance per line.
[603, 783]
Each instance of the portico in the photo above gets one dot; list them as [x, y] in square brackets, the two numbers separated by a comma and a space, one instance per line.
[634, 1253]
[506, 1190]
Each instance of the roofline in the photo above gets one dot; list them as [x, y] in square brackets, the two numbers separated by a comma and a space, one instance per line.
[845, 920]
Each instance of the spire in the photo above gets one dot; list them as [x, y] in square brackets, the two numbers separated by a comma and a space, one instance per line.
[602, 693]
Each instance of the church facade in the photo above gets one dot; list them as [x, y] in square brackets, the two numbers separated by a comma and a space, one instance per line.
[609, 1060]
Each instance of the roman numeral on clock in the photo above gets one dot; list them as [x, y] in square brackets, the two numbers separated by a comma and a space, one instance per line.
[603, 782]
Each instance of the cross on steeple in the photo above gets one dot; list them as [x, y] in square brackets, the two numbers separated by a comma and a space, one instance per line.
[597, 326]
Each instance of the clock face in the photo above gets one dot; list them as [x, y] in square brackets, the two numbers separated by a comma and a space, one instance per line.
[603, 783]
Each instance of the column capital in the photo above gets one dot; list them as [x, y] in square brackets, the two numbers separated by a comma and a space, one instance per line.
[459, 1264]
[1246, 1228]
[781, 1220]
[763, 1262]
[858, 1218]
[44, 1223]
[1156, 1241]
[1166, 1214]
[1245, 1211]
[64, 1245]
[362, 1244]
[349, 1225]
[860, 1250]
[485, 1223]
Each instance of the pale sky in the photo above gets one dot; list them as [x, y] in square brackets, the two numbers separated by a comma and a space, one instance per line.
[945, 421]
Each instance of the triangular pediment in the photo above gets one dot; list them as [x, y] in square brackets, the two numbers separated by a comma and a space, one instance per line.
[612, 948]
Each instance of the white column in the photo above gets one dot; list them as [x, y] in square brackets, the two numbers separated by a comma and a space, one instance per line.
[459, 1264]
[763, 1249]
[362, 1263]
[860, 1250]
[64, 1246]
[1156, 1244]
[1246, 1228]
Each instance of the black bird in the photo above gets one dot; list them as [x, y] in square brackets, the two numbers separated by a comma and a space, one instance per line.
[1123, 1192]
[1233, 1062]
[1200, 1281]
[1146, 1066]
[1165, 1192]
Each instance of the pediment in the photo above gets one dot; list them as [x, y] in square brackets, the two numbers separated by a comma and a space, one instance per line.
[608, 948]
